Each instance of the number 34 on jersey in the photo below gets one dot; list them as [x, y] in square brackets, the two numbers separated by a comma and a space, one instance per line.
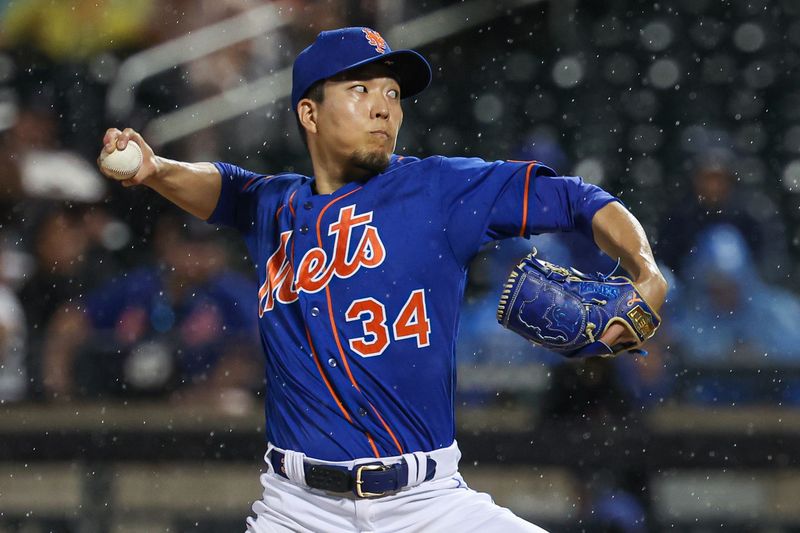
[411, 323]
[316, 270]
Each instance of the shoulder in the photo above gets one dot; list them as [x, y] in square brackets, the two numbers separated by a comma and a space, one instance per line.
[274, 182]
[248, 181]
[470, 165]
[410, 163]
[465, 166]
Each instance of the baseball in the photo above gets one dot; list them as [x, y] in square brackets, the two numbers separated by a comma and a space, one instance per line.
[122, 164]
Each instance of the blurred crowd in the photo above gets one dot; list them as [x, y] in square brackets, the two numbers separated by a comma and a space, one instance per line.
[106, 293]
[110, 294]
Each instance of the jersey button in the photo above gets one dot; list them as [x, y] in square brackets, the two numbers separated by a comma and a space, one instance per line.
[332, 362]
[362, 411]
[315, 311]
[303, 229]
[307, 206]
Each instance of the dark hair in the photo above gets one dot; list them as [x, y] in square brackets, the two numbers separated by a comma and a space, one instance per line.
[315, 93]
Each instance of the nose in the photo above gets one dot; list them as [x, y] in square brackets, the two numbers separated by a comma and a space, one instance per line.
[380, 107]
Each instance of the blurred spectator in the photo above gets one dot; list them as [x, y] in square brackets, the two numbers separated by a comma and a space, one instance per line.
[13, 374]
[729, 314]
[718, 198]
[68, 53]
[76, 30]
[35, 166]
[178, 327]
[63, 272]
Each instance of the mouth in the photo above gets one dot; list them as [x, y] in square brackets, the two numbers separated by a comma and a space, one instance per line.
[380, 133]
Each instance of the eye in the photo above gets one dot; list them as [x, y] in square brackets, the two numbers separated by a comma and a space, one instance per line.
[394, 93]
[360, 88]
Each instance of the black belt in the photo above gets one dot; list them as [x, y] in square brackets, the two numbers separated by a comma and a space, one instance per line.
[369, 480]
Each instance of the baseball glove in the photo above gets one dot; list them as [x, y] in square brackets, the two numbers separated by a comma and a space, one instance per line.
[567, 311]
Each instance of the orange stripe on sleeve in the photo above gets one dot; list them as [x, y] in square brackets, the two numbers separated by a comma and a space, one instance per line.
[525, 200]
[254, 178]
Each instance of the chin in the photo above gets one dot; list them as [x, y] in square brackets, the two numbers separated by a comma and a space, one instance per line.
[374, 162]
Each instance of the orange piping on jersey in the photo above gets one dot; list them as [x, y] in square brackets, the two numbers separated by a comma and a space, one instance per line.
[347, 367]
[372, 444]
[278, 212]
[333, 393]
[328, 292]
[322, 212]
[291, 197]
[525, 199]
[333, 320]
[325, 379]
[391, 433]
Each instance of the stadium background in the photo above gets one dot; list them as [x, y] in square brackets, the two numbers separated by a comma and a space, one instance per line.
[689, 110]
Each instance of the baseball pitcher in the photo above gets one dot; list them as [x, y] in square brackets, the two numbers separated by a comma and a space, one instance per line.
[362, 268]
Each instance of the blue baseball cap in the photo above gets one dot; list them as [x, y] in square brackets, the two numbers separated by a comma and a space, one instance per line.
[335, 51]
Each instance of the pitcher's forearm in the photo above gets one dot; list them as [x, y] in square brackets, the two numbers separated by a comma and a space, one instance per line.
[194, 187]
[620, 235]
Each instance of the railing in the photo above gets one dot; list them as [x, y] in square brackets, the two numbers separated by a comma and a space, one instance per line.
[269, 89]
[124, 459]
[194, 45]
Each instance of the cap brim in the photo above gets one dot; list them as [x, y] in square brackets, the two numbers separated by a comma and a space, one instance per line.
[413, 71]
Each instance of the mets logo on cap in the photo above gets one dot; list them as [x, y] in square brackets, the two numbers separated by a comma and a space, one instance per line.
[374, 39]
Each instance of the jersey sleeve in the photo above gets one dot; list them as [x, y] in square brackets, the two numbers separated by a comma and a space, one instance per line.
[484, 201]
[238, 199]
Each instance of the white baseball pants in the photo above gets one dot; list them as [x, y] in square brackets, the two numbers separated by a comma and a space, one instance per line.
[443, 504]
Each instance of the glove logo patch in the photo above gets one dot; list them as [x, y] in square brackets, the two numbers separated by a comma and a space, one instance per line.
[557, 326]
[642, 321]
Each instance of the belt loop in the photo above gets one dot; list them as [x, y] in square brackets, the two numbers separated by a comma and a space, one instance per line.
[422, 468]
[417, 467]
[294, 465]
[267, 456]
[413, 467]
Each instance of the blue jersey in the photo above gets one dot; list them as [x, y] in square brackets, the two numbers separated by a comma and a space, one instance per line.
[360, 290]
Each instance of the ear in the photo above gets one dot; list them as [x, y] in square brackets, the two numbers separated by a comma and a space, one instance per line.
[307, 114]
